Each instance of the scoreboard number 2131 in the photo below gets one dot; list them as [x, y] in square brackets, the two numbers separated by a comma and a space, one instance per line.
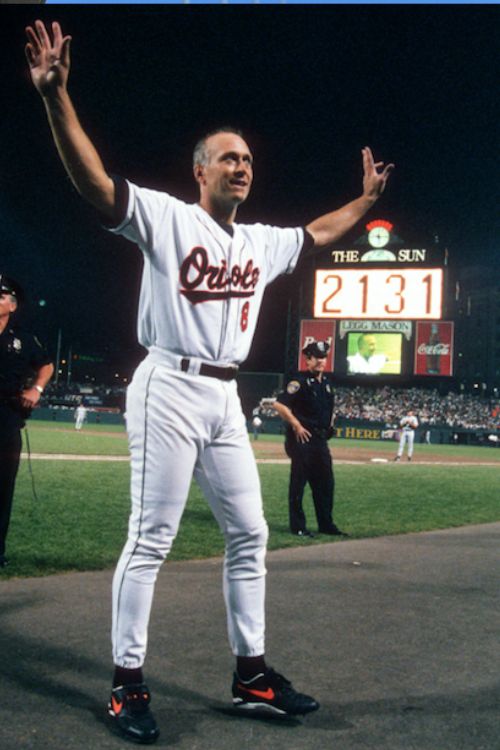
[395, 293]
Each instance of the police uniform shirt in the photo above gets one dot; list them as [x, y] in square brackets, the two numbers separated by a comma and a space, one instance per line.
[21, 356]
[310, 400]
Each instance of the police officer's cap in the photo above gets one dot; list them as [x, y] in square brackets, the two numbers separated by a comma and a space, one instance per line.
[316, 349]
[10, 286]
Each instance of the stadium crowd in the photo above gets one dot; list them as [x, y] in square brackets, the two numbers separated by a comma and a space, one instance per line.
[382, 405]
[388, 404]
[71, 394]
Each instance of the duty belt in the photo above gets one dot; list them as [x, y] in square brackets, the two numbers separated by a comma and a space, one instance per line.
[212, 371]
[322, 432]
[9, 400]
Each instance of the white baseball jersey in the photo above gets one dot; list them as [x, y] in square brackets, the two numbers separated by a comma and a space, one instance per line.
[201, 288]
[80, 414]
[200, 297]
[409, 423]
[359, 364]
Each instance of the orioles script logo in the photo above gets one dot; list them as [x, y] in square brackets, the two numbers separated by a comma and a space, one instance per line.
[219, 282]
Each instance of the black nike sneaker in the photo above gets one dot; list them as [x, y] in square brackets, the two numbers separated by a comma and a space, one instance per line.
[270, 692]
[129, 709]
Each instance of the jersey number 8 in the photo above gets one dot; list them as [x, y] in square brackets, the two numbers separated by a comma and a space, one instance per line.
[244, 316]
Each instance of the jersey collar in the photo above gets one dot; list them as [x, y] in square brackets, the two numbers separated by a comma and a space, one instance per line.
[215, 229]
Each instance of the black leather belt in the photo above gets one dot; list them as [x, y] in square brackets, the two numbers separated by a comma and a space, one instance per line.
[212, 371]
[324, 433]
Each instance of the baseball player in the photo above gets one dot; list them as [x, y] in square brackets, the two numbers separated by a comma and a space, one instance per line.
[203, 280]
[80, 416]
[408, 425]
[256, 425]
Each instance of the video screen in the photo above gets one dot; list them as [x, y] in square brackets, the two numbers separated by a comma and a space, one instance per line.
[374, 353]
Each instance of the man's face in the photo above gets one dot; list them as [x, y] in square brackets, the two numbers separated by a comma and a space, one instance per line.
[368, 346]
[7, 304]
[316, 364]
[228, 175]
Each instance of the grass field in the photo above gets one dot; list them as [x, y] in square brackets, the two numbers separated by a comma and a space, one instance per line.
[79, 520]
[110, 440]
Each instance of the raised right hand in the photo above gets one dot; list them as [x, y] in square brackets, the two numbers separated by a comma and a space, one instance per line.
[49, 61]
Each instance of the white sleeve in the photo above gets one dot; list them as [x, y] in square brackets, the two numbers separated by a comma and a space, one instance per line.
[147, 211]
[282, 249]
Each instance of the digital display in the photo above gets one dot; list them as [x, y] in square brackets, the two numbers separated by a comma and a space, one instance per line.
[376, 293]
[374, 353]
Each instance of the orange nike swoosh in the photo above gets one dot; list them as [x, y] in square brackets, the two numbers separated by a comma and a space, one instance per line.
[116, 705]
[267, 694]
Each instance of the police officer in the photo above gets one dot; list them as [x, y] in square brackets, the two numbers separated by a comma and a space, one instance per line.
[25, 369]
[306, 405]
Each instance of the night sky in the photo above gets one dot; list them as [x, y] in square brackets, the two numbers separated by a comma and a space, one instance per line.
[309, 86]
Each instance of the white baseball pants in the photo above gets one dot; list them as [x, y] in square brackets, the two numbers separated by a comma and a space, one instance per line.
[407, 436]
[180, 425]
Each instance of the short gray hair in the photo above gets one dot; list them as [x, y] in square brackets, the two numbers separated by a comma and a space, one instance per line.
[200, 153]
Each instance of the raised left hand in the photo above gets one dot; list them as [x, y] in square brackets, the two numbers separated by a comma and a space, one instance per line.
[374, 182]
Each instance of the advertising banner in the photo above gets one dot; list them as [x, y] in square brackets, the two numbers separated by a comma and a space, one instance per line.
[317, 330]
[434, 349]
[376, 326]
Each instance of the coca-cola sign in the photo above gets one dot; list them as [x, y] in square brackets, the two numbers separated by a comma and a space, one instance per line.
[434, 348]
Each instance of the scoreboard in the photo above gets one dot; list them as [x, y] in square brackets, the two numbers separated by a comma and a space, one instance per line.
[380, 305]
[379, 293]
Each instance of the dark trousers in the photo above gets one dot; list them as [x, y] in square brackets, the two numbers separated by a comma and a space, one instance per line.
[10, 451]
[311, 464]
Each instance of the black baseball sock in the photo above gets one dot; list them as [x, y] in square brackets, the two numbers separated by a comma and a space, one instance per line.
[250, 666]
[124, 676]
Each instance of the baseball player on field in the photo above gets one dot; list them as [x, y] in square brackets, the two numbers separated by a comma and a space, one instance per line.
[408, 425]
[80, 416]
[202, 285]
